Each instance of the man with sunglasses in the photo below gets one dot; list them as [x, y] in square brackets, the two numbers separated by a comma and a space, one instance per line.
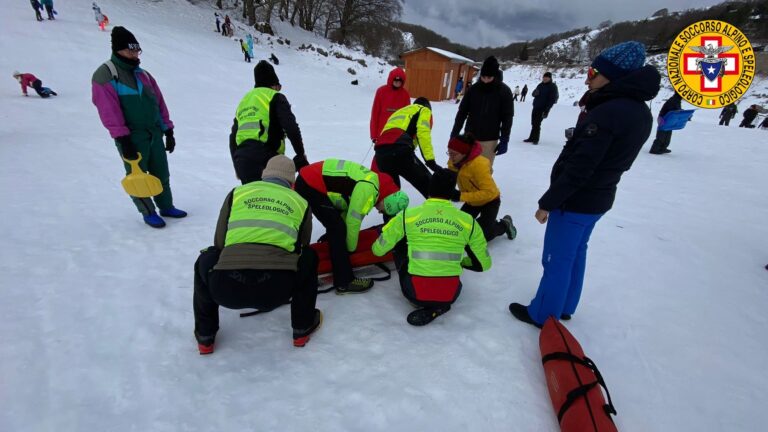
[133, 110]
[545, 95]
[585, 176]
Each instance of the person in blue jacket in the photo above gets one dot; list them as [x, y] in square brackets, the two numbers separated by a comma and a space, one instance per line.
[249, 41]
[584, 177]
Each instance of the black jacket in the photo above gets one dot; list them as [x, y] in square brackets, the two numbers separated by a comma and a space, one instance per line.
[750, 114]
[604, 145]
[282, 123]
[545, 95]
[672, 104]
[490, 109]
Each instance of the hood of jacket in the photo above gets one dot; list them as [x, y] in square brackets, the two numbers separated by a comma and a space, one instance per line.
[641, 85]
[396, 73]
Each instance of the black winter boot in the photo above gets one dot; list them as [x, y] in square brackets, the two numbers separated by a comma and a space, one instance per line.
[521, 312]
[424, 316]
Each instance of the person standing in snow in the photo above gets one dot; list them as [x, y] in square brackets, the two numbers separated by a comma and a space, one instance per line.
[389, 98]
[728, 113]
[516, 93]
[408, 128]
[585, 176]
[477, 189]
[429, 243]
[523, 93]
[37, 7]
[244, 49]
[101, 19]
[218, 23]
[48, 8]
[663, 137]
[29, 80]
[227, 28]
[260, 257]
[249, 41]
[488, 109]
[545, 95]
[262, 121]
[459, 88]
[132, 108]
[750, 114]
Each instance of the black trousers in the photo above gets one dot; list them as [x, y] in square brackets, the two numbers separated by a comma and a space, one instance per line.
[38, 86]
[747, 123]
[335, 228]
[260, 289]
[662, 141]
[400, 254]
[492, 227]
[249, 159]
[537, 116]
[522, 97]
[401, 161]
[726, 120]
[49, 10]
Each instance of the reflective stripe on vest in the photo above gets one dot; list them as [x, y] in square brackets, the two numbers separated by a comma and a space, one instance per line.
[265, 213]
[356, 173]
[436, 256]
[253, 116]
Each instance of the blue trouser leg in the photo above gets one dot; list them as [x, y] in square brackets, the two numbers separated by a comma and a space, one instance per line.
[579, 266]
[564, 247]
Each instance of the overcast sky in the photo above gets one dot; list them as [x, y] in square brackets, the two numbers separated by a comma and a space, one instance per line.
[499, 22]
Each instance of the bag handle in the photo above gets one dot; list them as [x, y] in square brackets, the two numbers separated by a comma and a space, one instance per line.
[580, 391]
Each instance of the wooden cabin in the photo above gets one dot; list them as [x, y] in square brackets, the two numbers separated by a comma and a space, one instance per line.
[433, 72]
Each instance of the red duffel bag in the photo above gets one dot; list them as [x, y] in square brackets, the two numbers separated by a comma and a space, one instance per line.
[362, 256]
[574, 382]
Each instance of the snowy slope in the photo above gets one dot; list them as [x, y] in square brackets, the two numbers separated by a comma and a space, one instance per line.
[97, 307]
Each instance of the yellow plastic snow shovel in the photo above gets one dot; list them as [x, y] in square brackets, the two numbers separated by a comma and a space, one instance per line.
[140, 184]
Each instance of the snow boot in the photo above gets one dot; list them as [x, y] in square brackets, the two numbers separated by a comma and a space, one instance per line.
[154, 220]
[510, 227]
[424, 316]
[521, 312]
[205, 343]
[173, 212]
[301, 337]
[530, 140]
[357, 286]
[565, 317]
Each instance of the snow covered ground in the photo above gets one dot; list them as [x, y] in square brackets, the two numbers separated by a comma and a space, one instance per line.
[97, 307]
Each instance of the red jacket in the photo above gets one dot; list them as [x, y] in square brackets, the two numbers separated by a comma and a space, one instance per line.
[388, 100]
[26, 80]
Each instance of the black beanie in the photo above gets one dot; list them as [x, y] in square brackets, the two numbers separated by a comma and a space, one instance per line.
[423, 102]
[442, 184]
[490, 67]
[264, 75]
[122, 39]
[548, 75]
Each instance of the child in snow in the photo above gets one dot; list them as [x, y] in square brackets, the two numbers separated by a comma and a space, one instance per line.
[244, 49]
[101, 19]
[37, 7]
[29, 80]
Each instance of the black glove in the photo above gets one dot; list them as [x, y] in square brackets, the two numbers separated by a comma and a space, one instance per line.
[127, 147]
[456, 196]
[433, 165]
[300, 161]
[170, 142]
[545, 114]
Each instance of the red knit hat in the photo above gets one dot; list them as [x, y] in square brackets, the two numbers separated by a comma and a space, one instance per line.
[458, 145]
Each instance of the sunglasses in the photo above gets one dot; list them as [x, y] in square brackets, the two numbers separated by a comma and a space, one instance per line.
[398, 79]
[592, 73]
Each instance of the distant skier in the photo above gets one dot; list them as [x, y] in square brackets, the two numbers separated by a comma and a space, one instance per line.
[749, 116]
[29, 80]
[523, 93]
[729, 112]
[516, 93]
[37, 7]
[244, 49]
[48, 8]
[100, 18]
[663, 138]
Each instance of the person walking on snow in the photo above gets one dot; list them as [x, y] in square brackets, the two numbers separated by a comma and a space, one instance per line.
[341, 193]
[488, 110]
[262, 120]
[407, 128]
[477, 189]
[48, 4]
[260, 258]
[29, 80]
[545, 95]
[249, 41]
[133, 110]
[516, 93]
[244, 48]
[429, 244]
[663, 137]
[523, 93]
[389, 98]
[37, 7]
[585, 176]
[101, 19]
[728, 113]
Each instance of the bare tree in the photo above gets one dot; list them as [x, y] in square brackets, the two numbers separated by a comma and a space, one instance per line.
[351, 14]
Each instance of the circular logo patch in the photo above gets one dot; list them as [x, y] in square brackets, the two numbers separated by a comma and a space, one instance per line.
[711, 64]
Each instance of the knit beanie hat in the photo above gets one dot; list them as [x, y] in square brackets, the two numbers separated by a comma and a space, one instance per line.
[122, 39]
[442, 184]
[281, 167]
[620, 60]
[461, 143]
[264, 75]
[421, 100]
[490, 67]
[548, 75]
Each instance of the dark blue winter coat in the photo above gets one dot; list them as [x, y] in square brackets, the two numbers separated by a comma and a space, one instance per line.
[545, 95]
[603, 146]
[672, 104]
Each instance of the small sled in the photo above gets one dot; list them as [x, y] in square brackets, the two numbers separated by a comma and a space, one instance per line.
[676, 120]
[139, 184]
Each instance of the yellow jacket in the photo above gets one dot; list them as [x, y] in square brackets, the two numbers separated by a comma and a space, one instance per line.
[475, 182]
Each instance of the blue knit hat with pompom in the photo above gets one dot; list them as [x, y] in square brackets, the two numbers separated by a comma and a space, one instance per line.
[620, 60]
